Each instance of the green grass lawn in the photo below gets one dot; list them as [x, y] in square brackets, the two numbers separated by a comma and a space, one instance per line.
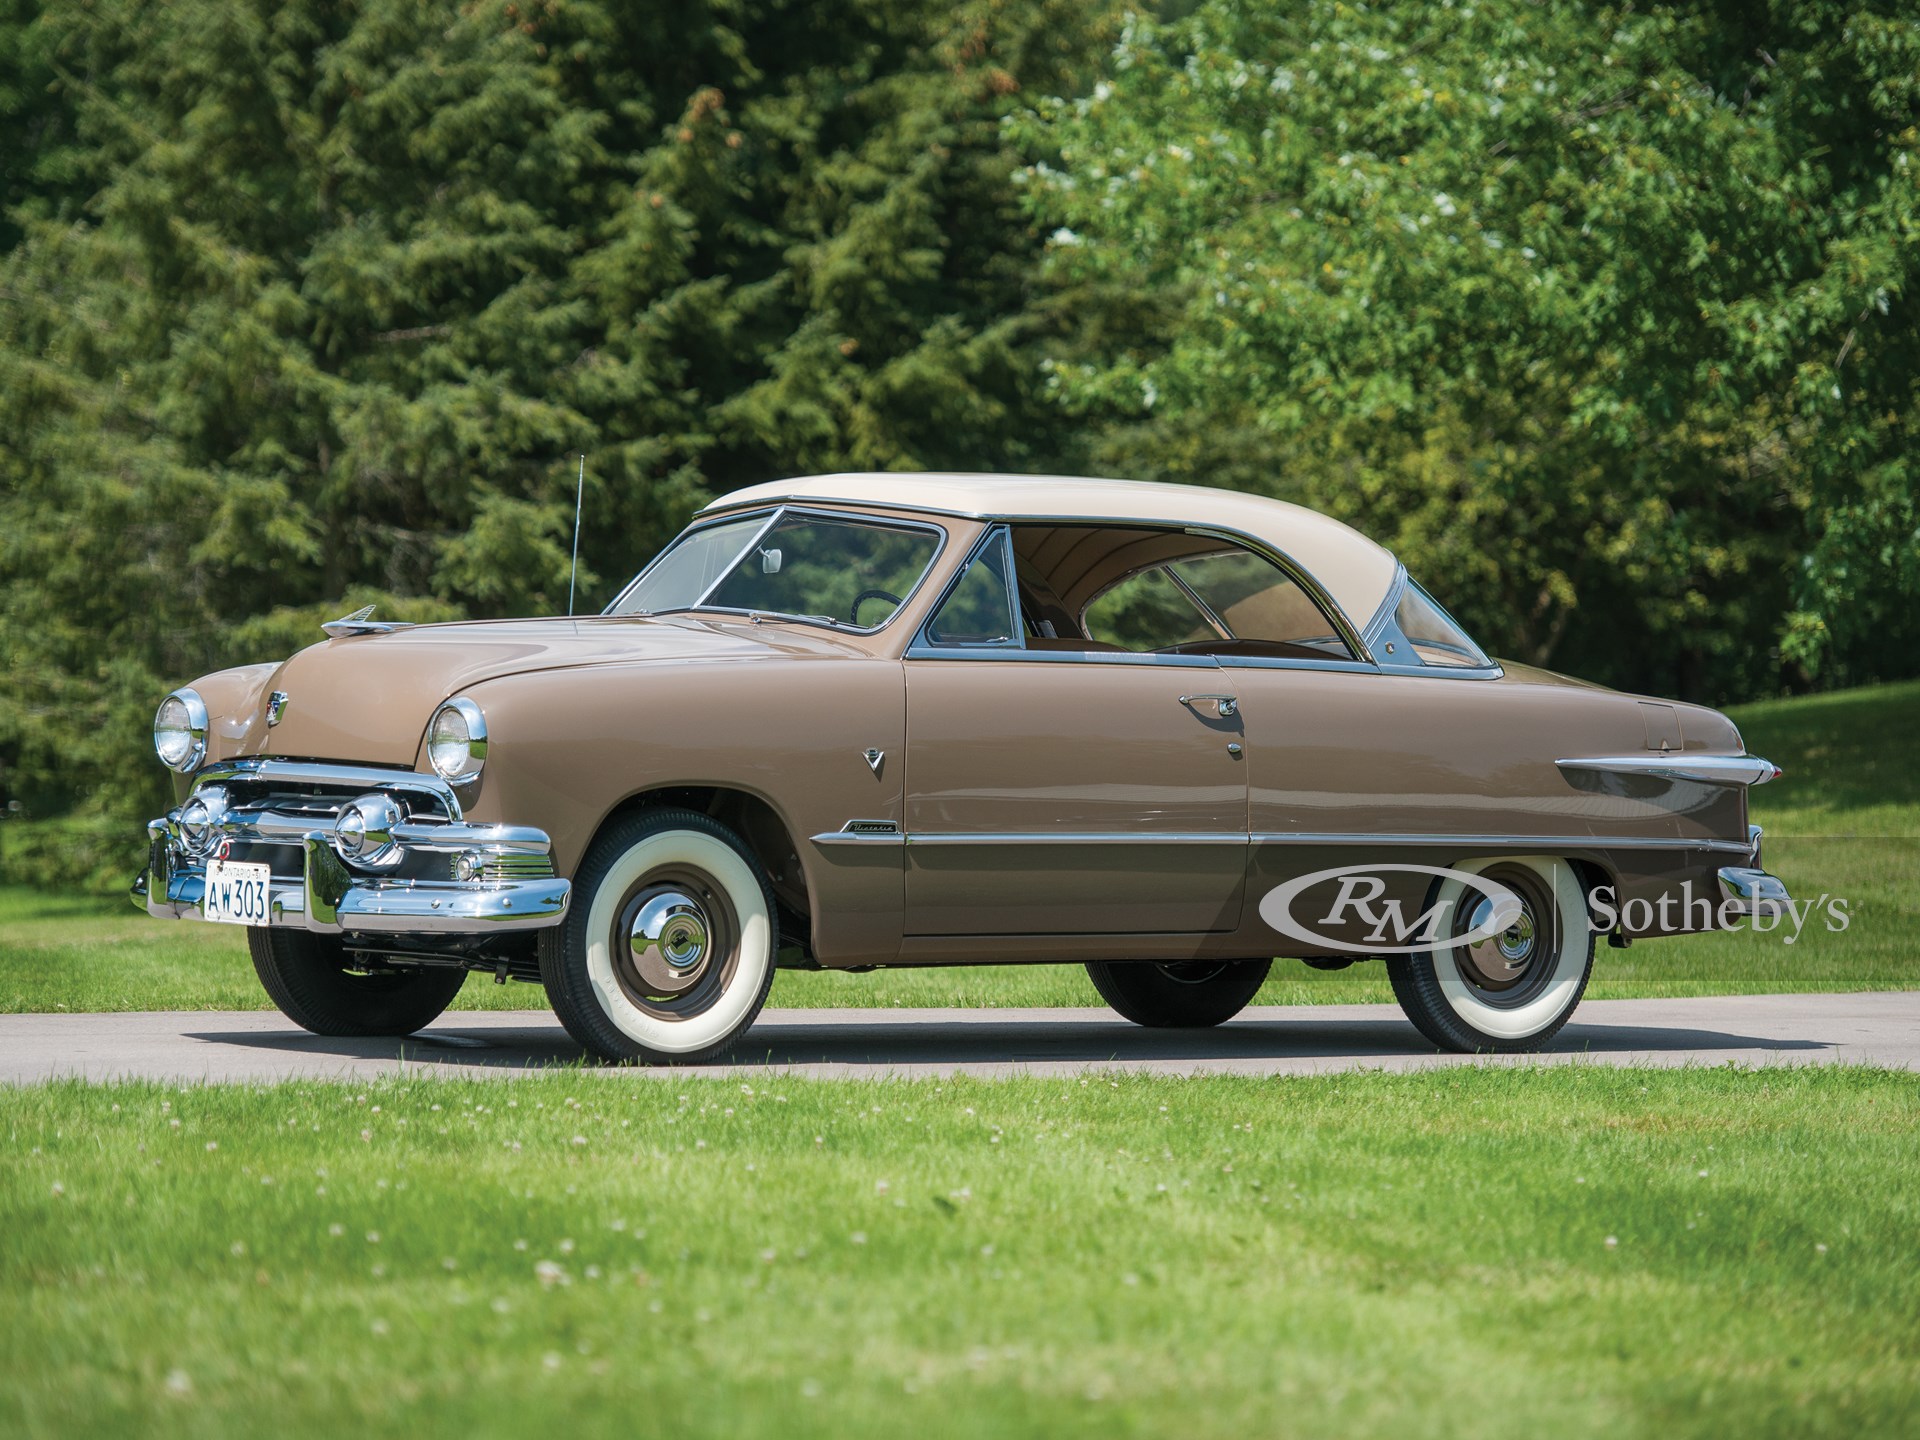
[1843, 822]
[1476, 1253]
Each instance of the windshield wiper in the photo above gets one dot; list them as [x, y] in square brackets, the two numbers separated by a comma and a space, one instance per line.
[758, 617]
[761, 616]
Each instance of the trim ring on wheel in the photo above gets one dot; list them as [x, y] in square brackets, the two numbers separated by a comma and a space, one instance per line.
[727, 985]
[1547, 993]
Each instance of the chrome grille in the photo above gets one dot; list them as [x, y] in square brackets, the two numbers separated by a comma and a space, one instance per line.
[517, 867]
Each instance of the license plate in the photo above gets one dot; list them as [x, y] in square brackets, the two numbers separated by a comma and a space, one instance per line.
[237, 894]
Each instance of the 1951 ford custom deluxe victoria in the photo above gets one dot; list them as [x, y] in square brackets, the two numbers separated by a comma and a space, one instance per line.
[865, 720]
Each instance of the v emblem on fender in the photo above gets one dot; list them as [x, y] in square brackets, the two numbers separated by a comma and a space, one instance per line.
[875, 758]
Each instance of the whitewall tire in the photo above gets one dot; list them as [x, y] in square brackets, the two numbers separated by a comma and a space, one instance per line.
[1511, 991]
[667, 952]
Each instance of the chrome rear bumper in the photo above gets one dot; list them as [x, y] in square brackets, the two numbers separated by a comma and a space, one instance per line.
[1749, 890]
[434, 874]
[1745, 890]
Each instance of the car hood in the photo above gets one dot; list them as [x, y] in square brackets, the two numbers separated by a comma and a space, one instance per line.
[368, 698]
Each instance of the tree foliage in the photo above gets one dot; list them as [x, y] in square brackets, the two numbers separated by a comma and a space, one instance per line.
[313, 305]
[1602, 317]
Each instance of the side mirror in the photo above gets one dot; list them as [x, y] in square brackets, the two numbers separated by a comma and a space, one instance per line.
[770, 562]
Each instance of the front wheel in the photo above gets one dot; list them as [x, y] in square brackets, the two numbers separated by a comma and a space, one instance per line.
[1190, 994]
[667, 952]
[1510, 991]
[307, 977]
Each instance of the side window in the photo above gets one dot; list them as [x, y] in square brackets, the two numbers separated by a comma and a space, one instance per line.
[979, 609]
[1146, 611]
[1259, 603]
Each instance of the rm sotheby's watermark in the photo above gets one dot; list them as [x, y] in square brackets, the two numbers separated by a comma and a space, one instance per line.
[1490, 908]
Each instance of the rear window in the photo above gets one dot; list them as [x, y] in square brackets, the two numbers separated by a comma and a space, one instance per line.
[1435, 637]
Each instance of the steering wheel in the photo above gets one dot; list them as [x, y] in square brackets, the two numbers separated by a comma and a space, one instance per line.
[866, 595]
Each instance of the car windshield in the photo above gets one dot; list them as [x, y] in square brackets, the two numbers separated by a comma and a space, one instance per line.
[835, 570]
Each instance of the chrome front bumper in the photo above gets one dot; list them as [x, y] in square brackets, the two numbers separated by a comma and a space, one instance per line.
[282, 813]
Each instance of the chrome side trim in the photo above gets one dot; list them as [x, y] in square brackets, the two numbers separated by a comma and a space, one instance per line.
[918, 651]
[1678, 765]
[860, 837]
[1506, 842]
[1446, 672]
[1075, 837]
[1286, 662]
[1230, 837]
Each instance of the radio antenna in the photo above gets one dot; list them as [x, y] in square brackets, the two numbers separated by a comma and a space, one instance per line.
[579, 493]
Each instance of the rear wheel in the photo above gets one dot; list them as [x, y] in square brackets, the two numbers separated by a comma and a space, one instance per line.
[667, 952]
[307, 977]
[1190, 994]
[1511, 991]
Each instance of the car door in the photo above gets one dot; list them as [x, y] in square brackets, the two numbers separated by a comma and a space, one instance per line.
[1060, 791]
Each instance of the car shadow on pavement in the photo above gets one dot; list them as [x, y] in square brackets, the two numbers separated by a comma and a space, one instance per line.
[879, 1047]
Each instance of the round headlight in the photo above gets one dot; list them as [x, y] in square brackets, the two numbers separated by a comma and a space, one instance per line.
[457, 741]
[180, 731]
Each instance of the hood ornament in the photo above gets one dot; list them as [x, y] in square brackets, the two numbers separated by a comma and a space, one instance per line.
[360, 622]
[276, 707]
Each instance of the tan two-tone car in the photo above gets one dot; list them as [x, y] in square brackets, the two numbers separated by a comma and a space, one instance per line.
[855, 721]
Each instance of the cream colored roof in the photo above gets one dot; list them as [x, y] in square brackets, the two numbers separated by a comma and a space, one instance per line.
[1354, 570]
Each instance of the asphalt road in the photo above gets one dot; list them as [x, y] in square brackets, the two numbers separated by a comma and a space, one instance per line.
[1879, 1029]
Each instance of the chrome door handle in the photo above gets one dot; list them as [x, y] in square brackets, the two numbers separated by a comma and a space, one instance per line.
[1226, 706]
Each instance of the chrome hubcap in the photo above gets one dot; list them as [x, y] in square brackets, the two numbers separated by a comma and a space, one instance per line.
[1510, 966]
[1511, 948]
[669, 941]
